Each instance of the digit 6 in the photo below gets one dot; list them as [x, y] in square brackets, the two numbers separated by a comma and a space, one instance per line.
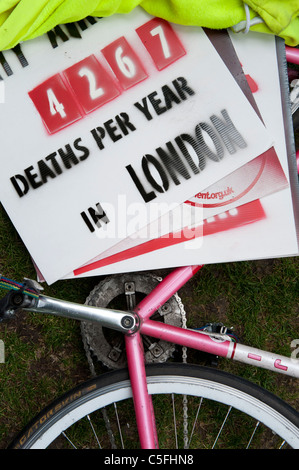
[124, 62]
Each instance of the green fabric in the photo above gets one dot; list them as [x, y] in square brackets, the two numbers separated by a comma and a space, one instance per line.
[21, 20]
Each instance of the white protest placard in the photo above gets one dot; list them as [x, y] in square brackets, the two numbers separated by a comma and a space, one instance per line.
[130, 117]
[259, 229]
[226, 205]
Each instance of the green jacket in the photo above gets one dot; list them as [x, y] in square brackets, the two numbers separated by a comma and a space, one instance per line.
[21, 20]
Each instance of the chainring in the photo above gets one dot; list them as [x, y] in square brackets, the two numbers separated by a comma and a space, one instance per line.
[123, 292]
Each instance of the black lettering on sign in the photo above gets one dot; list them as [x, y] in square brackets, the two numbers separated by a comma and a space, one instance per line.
[95, 217]
[147, 196]
[19, 53]
[21, 189]
[203, 149]
[5, 65]
[180, 141]
[98, 134]
[33, 177]
[157, 165]
[173, 163]
[50, 167]
[144, 108]
[229, 134]
[112, 130]
[171, 94]
[156, 103]
[72, 30]
[52, 35]
[22, 59]
[116, 129]
[207, 144]
[183, 88]
[89, 19]
[55, 164]
[45, 171]
[69, 157]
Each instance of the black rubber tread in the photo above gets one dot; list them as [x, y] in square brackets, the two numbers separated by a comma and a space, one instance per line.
[86, 390]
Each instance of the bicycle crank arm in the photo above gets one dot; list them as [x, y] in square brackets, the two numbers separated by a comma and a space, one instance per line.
[125, 322]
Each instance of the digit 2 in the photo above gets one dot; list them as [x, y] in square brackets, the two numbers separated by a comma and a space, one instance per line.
[92, 84]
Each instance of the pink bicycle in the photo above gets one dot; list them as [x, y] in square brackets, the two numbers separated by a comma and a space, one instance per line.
[157, 386]
[148, 394]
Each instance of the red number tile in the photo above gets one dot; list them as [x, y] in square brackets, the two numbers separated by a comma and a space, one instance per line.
[55, 104]
[91, 83]
[161, 42]
[124, 62]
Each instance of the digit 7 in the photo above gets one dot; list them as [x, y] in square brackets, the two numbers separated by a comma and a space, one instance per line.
[161, 42]
[158, 30]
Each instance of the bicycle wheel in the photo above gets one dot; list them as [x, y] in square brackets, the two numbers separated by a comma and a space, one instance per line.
[222, 410]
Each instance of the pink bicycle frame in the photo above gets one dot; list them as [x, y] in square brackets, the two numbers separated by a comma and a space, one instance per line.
[292, 55]
[193, 339]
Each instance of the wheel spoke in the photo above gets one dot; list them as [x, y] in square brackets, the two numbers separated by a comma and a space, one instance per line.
[252, 435]
[222, 426]
[174, 422]
[68, 439]
[195, 421]
[118, 425]
[94, 432]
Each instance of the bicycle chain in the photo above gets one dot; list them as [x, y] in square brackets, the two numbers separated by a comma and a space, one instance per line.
[184, 359]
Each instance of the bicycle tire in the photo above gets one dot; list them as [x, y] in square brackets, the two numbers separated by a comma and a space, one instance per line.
[168, 378]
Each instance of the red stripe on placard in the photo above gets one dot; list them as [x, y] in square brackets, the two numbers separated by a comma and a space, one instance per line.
[246, 214]
[269, 154]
